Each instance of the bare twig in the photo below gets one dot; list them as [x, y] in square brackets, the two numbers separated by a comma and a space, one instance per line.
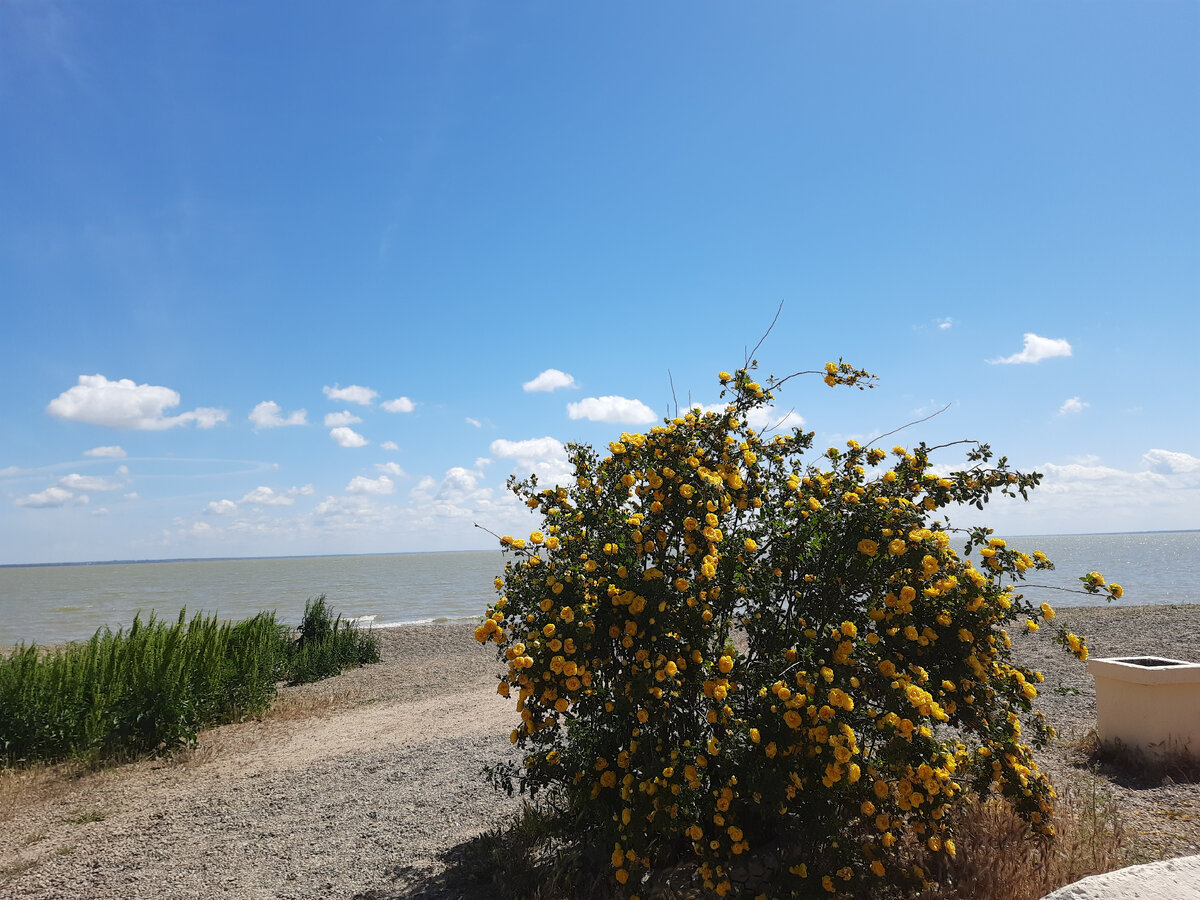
[775, 384]
[674, 398]
[917, 422]
[750, 355]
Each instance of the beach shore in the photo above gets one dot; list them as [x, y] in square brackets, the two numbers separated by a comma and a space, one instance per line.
[358, 786]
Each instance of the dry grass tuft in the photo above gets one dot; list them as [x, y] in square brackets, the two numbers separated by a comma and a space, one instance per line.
[1143, 767]
[1000, 858]
[36, 783]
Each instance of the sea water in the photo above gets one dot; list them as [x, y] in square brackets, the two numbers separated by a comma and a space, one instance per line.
[69, 602]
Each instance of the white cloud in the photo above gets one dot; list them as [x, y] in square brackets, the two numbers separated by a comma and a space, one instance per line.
[1081, 497]
[390, 445]
[481, 461]
[1169, 462]
[50, 498]
[1073, 406]
[945, 324]
[1036, 349]
[268, 414]
[303, 490]
[265, 496]
[221, 508]
[550, 380]
[100, 511]
[12, 470]
[347, 437]
[354, 393]
[345, 417]
[132, 495]
[361, 484]
[113, 452]
[123, 404]
[526, 452]
[458, 495]
[390, 468]
[474, 422]
[355, 512]
[760, 418]
[399, 405]
[612, 409]
[545, 456]
[123, 471]
[77, 482]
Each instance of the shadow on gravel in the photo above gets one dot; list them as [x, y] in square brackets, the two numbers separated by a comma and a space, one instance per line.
[1133, 768]
[463, 878]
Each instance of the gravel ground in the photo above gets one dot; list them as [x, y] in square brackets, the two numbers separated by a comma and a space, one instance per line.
[1162, 817]
[373, 776]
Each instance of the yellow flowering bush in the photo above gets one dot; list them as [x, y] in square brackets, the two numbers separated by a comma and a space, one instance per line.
[721, 651]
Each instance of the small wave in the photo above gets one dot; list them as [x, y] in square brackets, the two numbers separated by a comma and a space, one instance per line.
[437, 620]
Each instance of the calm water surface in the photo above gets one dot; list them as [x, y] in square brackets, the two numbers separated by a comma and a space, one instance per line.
[58, 603]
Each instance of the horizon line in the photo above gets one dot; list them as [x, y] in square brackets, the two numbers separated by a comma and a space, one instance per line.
[176, 559]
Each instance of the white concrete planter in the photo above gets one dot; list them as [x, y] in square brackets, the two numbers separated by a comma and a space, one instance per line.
[1148, 702]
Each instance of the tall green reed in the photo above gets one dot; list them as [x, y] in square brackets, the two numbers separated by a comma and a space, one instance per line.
[150, 689]
[326, 645]
[144, 690]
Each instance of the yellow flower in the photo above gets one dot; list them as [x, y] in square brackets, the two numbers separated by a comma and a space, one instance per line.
[536, 537]
[868, 547]
[751, 546]
[1047, 611]
[725, 665]
[896, 547]
[552, 543]
[724, 376]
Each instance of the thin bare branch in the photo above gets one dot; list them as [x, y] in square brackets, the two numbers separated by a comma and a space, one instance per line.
[750, 355]
[675, 399]
[775, 384]
[910, 424]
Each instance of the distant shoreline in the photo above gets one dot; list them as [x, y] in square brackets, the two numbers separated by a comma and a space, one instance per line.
[201, 559]
[190, 559]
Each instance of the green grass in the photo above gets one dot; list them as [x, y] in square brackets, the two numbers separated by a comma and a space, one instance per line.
[151, 688]
[326, 645]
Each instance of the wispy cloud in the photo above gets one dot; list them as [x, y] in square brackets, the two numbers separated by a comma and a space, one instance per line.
[1035, 350]
[111, 452]
[77, 482]
[1073, 406]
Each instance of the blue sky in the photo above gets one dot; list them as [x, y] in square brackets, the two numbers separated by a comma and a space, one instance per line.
[278, 278]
